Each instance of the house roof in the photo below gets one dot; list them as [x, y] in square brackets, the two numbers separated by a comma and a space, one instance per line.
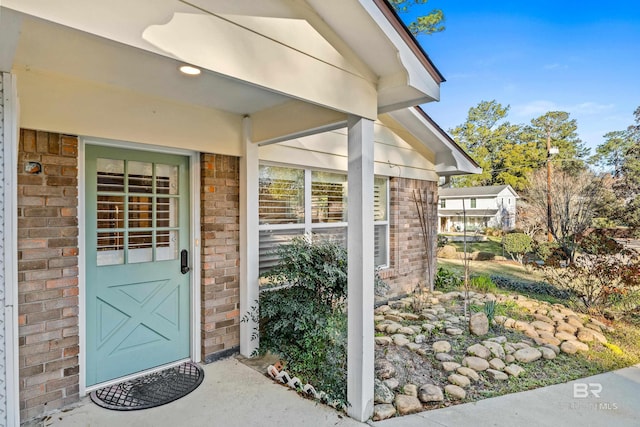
[485, 191]
[469, 212]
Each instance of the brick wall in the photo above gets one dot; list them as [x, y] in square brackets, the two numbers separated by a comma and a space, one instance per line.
[407, 257]
[47, 273]
[220, 216]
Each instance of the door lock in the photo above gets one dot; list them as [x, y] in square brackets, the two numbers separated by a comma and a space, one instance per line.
[184, 261]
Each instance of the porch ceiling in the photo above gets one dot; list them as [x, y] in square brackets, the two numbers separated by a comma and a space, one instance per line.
[344, 57]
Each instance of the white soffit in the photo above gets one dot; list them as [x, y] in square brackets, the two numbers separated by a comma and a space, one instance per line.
[450, 159]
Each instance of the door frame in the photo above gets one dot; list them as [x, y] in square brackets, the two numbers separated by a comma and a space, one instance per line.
[194, 249]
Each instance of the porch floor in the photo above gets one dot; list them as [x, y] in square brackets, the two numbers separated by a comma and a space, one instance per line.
[234, 394]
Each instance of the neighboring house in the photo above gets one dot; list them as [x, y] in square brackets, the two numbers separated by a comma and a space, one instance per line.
[116, 164]
[491, 206]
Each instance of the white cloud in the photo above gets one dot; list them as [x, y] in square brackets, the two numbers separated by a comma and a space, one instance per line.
[534, 108]
[590, 108]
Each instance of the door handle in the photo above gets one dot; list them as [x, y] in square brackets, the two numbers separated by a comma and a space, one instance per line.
[184, 261]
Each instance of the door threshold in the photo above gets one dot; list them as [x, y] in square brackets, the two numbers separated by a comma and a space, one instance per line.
[109, 383]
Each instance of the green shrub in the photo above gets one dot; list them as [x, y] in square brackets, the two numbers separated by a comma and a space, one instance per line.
[304, 320]
[446, 280]
[517, 245]
[483, 284]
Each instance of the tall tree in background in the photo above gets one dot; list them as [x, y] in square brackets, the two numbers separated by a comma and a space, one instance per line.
[621, 154]
[628, 186]
[431, 23]
[563, 133]
[495, 144]
[612, 152]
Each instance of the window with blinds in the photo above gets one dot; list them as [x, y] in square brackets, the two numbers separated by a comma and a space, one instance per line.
[294, 201]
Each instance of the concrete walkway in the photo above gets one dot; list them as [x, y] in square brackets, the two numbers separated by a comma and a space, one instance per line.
[618, 405]
[231, 395]
[234, 394]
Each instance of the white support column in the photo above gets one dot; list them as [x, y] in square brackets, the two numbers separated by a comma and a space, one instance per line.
[360, 243]
[249, 254]
[9, 135]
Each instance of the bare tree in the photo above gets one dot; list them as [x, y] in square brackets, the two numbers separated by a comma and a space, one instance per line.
[426, 205]
[574, 197]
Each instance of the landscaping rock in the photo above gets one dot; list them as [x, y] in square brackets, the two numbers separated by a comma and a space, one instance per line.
[509, 358]
[455, 392]
[392, 383]
[542, 326]
[413, 346]
[565, 327]
[430, 393]
[571, 347]
[450, 366]
[384, 411]
[548, 338]
[393, 328]
[526, 355]
[499, 340]
[555, 348]
[479, 324]
[543, 318]
[410, 316]
[547, 353]
[441, 347]
[589, 335]
[497, 375]
[495, 348]
[382, 393]
[514, 370]
[444, 357]
[419, 339]
[565, 336]
[468, 372]
[453, 331]
[384, 369]
[459, 380]
[393, 317]
[383, 341]
[475, 363]
[407, 404]
[400, 340]
[410, 390]
[382, 309]
[479, 350]
[405, 330]
[498, 364]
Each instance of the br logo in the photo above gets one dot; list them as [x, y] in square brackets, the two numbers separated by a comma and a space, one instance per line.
[583, 390]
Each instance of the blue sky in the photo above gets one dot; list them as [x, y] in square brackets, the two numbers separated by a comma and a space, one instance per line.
[579, 57]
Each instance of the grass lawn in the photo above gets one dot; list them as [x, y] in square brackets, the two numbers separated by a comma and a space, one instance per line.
[500, 268]
[492, 245]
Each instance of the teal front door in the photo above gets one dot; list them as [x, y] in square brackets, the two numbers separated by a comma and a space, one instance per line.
[137, 286]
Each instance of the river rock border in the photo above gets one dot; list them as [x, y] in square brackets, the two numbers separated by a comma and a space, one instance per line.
[428, 331]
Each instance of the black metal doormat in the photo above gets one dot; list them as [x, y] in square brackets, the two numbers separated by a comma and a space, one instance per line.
[151, 390]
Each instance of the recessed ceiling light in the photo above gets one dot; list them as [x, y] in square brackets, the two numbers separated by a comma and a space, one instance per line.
[189, 70]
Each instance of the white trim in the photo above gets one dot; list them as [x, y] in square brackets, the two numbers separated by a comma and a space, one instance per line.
[249, 238]
[11, 124]
[194, 235]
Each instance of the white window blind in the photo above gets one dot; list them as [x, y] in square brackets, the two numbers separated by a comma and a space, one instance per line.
[294, 201]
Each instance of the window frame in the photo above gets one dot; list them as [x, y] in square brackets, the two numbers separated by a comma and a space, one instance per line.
[308, 226]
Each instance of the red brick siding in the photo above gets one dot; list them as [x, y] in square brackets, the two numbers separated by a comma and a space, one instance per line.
[48, 273]
[407, 253]
[220, 222]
